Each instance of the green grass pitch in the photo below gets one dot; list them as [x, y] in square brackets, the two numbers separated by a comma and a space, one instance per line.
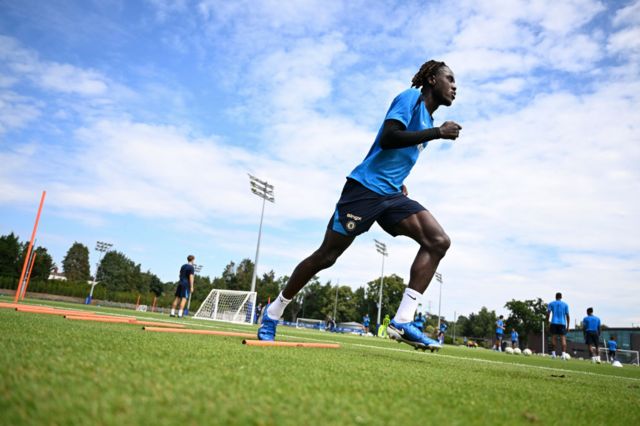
[56, 371]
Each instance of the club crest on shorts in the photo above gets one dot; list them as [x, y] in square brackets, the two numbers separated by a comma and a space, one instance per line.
[351, 225]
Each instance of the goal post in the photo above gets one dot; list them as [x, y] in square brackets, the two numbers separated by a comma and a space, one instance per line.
[234, 306]
[622, 355]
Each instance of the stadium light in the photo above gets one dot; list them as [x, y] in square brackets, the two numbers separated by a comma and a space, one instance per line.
[101, 247]
[335, 305]
[438, 276]
[382, 249]
[265, 191]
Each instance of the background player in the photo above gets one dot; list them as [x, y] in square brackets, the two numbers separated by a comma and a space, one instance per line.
[591, 328]
[185, 286]
[559, 323]
[375, 192]
[499, 333]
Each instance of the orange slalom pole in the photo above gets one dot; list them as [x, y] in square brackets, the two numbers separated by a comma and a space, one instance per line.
[153, 307]
[160, 324]
[8, 305]
[290, 344]
[138, 302]
[191, 331]
[26, 259]
[100, 319]
[26, 284]
[41, 310]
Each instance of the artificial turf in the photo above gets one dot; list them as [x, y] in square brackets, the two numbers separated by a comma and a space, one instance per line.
[56, 371]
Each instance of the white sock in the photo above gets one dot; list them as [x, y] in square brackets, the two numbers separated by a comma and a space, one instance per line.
[553, 353]
[173, 311]
[408, 306]
[180, 313]
[276, 308]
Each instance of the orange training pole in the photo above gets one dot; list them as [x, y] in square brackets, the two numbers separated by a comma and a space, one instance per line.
[153, 308]
[189, 331]
[26, 284]
[26, 259]
[290, 344]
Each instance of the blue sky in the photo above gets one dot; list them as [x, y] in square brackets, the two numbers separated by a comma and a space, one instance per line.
[141, 119]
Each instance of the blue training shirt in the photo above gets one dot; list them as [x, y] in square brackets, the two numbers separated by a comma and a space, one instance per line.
[384, 171]
[499, 329]
[613, 345]
[559, 310]
[514, 336]
[186, 270]
[591, 323]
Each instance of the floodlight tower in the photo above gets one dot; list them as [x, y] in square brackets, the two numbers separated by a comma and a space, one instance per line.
[382, 249]
[101, 247]
[265, 191]
[438, 276]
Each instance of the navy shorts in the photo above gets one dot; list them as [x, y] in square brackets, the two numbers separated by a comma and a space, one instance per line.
[499, 336]
[182, 291]
[558, 329]
[591, 338]
[359, 207]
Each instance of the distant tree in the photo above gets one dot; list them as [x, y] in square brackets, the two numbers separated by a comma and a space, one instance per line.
[481, 324]
[392, 290]
[526, 316]
[76, 263]
[118, 273]
[238, 277]
[42, 266]
[10, 251]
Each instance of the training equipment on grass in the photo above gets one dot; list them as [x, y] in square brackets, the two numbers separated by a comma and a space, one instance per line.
[565, 356]
[310, 323]
[100, 319]
[290, 344]
[517, 351]
[616, 363]
[50, 311]
[229, 306]
[508, 350]
[191, 331]
[527, 352]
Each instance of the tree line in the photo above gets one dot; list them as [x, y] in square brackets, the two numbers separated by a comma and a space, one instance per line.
[119, 277]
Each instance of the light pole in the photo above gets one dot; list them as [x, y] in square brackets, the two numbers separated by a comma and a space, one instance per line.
[101, 247]
[265, 191]
[382, 249]
[438, 276]
[335, 305]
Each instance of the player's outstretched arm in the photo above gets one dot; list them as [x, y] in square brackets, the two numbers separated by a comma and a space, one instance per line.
[394, 134]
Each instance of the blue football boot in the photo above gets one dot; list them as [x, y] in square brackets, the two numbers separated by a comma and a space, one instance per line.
[408, 333]
[267, 330]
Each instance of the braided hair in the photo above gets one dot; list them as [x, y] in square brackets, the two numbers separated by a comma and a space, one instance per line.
[428, 69]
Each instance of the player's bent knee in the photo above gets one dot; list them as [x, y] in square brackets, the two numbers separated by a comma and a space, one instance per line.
[437, 244]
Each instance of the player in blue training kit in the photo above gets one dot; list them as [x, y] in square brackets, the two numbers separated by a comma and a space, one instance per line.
[499, 333]
[591, 329]
[559, 323]
[514, 338]
[612, 345]
[375, 192]
[185, 286]
[441, 332]
[366, 321]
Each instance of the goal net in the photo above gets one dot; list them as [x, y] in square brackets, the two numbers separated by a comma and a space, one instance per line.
[622, 355]
[350, 327]
[315, 324]
[228, 305]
